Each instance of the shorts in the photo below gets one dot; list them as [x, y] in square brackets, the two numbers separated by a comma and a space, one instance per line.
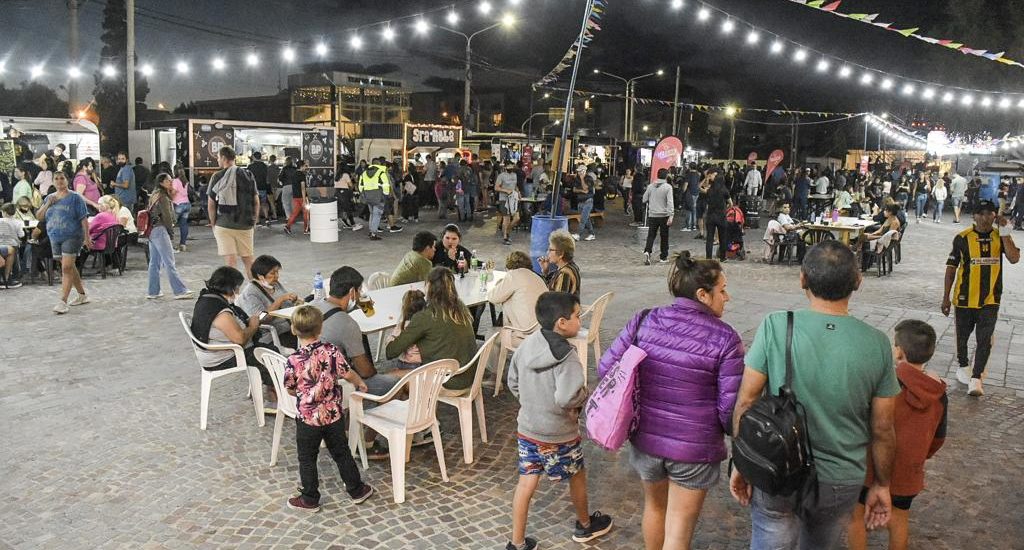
[503, 208]
[70, 246]
[957, 201]
[899, 502]
[560, 461]
[7, 250]
[688, 475]
[233, 242]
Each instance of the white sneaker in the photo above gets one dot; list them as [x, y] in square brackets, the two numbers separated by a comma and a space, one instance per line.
[182, 248]
[61, 308]
[975, 388]
[686, 229]
[647, 258]
[357, 227]
[79, 300]
[187, 295]
[963, 375]
[589, 238]
[575, 236]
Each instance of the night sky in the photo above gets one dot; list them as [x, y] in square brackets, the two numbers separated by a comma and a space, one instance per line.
[638, 37]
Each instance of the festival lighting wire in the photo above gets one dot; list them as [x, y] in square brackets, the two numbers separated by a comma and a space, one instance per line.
[903, 86]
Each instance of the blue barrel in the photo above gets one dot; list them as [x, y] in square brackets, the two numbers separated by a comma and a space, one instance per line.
[989, 187]
[541, 229]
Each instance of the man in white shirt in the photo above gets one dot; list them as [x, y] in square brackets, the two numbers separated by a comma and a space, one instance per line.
[821, 185]
[753, 182]
[957, 192]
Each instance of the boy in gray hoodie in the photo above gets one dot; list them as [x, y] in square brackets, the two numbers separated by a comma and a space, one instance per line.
[547, 377]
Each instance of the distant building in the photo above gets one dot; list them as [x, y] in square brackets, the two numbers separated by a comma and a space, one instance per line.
[358, 99]
[271, 108]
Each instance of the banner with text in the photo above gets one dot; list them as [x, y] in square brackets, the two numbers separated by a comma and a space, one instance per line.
[667, 154]
[432, 136]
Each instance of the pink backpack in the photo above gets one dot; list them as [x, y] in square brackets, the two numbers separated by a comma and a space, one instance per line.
[611, 409]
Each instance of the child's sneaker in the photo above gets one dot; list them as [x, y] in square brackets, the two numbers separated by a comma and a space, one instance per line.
[600, 524]
[364, 493]
[529, 544]
[301, 504]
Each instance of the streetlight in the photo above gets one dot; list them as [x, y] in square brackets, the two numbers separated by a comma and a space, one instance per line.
[627, 125]
[730, 112]
[507, 20]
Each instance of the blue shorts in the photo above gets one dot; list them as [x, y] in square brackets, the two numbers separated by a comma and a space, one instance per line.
[262, 194]
[70, 246]
[560, 461]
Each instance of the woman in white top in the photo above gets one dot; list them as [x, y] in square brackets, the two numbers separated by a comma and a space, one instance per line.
[940, 192]
[626, 188]
[124, 216]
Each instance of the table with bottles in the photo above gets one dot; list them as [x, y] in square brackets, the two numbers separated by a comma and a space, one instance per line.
[384, 306]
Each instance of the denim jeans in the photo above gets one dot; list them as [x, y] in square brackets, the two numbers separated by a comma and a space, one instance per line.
[938, 210]
[307, 439]
[181, 211]
[777, 524]
[691, 214]
[586, 207]
[919, 203]
[465, 207]
[286, 200]
[376, 212]
[161, 254]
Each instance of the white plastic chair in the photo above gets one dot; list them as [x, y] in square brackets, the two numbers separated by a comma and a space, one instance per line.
[510, 339]
[255, 383]
[464, 401]
[398, 420]
[377, 281]
[591, 335]
[274, 362]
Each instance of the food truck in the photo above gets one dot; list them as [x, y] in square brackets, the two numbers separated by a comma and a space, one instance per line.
[80, 137]
[404, 141]
[194, 144]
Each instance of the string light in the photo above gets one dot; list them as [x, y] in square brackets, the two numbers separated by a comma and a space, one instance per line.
[845, 72]
[146, 69]
[986, 101]
[867, 78]
[37, 71]
[800, 56]
[508, 20]
[967, 100]
[321, 49]
[288, 54]
[252, 59]
[1004, 103]
[823, 65]
[908, 89]
[422, 26]
[74, 72]
[753, 37]
[704, 14]
[388, 33]
[109, 71]
[948, 97]
[219, 64]
[887, 84]
[1021, 103]
[677, 4]
[181, 67]
[776, 47]
[452, 18]
[728, 26]
[485, 7]
[928, 94]
[355, 42]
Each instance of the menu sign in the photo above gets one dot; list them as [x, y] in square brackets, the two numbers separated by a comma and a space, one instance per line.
[432, 136]
[207, 141]
[318, 149]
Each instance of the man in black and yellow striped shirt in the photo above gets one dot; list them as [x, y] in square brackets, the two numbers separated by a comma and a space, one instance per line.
[976, 266]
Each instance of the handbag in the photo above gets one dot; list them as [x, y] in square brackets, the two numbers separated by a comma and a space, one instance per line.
[144, 221]
[611, 409]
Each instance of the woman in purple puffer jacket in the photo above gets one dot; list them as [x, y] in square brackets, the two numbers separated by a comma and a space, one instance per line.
[686, 391]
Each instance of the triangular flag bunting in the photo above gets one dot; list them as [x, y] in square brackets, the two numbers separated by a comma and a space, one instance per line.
[816, 3]
[833, 6]
[857, 16]
[908, 32]
[871, 17]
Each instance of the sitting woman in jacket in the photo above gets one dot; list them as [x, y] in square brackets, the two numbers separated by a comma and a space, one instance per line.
[565, 277]
[518, 292]
[687, 390]
[264, 292]
[216, 320]
[444, 330]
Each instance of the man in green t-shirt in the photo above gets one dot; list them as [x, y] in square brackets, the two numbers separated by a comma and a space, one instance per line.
[843, 375]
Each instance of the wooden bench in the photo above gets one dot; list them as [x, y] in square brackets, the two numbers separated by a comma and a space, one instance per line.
[574, 220]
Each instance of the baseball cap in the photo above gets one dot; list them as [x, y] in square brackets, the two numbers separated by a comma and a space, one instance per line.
[985, 204]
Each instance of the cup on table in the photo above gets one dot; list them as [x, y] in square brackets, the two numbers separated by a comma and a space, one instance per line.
[365, 303]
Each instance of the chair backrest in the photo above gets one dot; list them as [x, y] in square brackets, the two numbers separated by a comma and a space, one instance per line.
[378, 280]
[110, 236]
[186, 323]
[597, 312]
[424, 385]
[509, 334]
[479, 362]
[275, 362]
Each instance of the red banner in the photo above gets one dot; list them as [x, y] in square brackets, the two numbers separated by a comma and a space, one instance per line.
[666, 155]
[752, 157]
[773, 162]
[864, 164]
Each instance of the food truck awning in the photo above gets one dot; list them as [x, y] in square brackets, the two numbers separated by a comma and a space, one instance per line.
[49, 125]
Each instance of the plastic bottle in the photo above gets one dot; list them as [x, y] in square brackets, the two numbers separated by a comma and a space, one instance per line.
[461, 265]
[318, 286]
[474, 261]
[835, 215]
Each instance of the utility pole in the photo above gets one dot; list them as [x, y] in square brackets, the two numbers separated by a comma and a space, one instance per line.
[529, 134]
[73, 53]
[469, 79]
[130, 69]
[675, 105]
[732, 138]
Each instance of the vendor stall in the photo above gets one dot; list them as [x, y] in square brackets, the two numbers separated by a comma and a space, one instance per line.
[80, 137]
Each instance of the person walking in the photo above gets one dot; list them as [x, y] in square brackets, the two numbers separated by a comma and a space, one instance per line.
[259, 172]
[939, 193]
[67, 227]
[687, 390]
[234, 209]
[976, 266]
[844, 379]
[921, 193]
[300, 200]
[161, 251]
[274, 181]
[374, 185]
[658, 201]
[288, 177]
[717, 202]
[585, 199]
[626, 190]
[182, 204]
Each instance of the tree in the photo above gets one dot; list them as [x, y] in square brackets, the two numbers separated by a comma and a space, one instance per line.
[32, 99]
[111, 93]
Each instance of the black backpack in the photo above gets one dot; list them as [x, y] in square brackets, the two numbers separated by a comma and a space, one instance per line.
[772, 449]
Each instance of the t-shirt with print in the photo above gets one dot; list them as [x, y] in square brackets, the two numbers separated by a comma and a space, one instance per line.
[839, 365]
[341, 330]
[312, 373]
[64, 217]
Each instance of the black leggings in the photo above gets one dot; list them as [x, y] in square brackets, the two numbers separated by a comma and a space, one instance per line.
[710, 224]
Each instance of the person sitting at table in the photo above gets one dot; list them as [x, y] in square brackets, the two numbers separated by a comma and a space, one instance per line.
[216, 320]
[413, 302]
[891, 223]
[844, 200]
[24, 212]
[342, 331]
[98, 224]
[444, 330]
[565, 277]
[448, 250]
[264, 292]
[518, 292]
[415, 266]
[11, 233]
[123, 214]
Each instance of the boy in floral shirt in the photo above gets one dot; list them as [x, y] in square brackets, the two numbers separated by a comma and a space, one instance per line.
[312, 375]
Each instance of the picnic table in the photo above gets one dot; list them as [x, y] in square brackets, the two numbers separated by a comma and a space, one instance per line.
[846, 227]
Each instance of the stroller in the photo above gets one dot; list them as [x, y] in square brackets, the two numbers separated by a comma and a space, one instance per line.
[735, 219]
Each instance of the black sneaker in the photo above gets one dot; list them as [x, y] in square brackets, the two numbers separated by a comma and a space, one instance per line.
[529, 544]
[364, 493]
[600, 524]
[507, 241]
[396, 229]
[374, 237]
[14, 284]
[287, 230]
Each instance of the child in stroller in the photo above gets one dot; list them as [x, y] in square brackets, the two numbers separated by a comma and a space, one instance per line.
[735, 219]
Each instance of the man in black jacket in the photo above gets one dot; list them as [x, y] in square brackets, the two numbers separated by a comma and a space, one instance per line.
[717, 201]
[258, 169]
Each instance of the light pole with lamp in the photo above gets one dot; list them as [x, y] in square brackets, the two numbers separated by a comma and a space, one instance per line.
[507, 20]
[627, 125]
[730, 112]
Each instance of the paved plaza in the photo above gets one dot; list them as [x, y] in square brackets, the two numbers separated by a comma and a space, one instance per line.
[100, 416]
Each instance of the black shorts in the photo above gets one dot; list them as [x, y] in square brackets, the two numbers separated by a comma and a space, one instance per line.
[900, 502]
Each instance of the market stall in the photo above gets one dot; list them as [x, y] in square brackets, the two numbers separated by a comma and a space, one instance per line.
[80, 137]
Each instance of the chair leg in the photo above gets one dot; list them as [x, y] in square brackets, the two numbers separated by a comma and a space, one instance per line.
[499, 369]
[353, 433]
[396, 443]
[276, 441]
[257, 395]
[481, 418]
[582, 351]
[435, 430]
[204, 400]
[380, 346]
[408, 447]
[466, 428]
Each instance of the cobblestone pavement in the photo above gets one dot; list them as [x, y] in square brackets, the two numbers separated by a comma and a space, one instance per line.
[99, 410]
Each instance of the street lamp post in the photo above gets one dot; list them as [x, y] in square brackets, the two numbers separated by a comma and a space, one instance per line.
[627, 124]
[731, 113]
[507, 20]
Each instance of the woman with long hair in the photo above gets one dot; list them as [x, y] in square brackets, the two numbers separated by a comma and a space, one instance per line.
[444, 330]
[67, 227]
[182, 204]
[161, 251]
[44, 179]
[85, 182]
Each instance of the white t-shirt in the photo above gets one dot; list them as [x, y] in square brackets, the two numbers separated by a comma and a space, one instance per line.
[821, 185]
[125, 213]
[785, 219]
